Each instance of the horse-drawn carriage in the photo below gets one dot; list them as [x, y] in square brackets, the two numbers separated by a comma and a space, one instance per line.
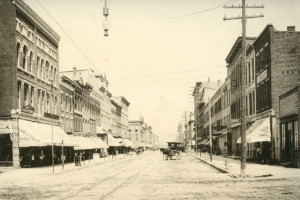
[173, 151]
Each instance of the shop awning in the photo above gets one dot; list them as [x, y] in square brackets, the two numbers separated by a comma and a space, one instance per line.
[259, 131]
[89, 143]
[120, 141]
[38, 134]
[204, 141]
[112, 142]
[99, 143]
[128, 143]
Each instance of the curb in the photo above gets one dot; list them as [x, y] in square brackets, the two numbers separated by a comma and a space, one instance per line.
[218, 168]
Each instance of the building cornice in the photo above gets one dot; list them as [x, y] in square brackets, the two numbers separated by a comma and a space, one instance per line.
[34, 17]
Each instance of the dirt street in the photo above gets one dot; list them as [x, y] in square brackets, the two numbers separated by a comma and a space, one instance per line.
[145, 176]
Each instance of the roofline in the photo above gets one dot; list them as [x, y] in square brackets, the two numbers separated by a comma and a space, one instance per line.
[267, 26]
[236, 46]
[116, 104]
[23, 7]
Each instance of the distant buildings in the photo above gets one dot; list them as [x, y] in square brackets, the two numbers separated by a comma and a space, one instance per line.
[141, 134]
[272, 77]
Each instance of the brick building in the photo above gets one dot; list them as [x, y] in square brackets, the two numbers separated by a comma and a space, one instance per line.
[233, 60]
[29, 86]
[277, 68]
[202, 92]
[289, 114]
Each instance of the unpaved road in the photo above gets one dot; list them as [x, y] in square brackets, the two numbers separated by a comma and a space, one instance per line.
[146, 176]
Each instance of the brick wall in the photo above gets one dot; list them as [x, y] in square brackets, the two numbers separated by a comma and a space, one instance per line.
[8, 85]
[285, 73]
[285, 62]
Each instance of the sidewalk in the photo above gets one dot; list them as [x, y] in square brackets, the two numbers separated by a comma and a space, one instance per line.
[253, 170]
[44, 170]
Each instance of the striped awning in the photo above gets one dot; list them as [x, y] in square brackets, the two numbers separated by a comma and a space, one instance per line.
[89, 143]
[38, 134]
[128, 143]
[112, 142]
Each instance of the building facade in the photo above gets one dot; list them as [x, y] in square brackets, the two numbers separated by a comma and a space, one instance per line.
[233, 60]
[289, 114]
[29, 84]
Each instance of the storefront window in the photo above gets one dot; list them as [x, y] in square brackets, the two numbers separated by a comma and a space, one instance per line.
[296, 136]
[282, 136]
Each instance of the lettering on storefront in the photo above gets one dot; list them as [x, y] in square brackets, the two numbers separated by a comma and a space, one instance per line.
[5, 127]
[49, 115]
[262, 76]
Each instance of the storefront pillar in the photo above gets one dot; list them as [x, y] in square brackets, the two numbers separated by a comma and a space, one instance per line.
[15, 145]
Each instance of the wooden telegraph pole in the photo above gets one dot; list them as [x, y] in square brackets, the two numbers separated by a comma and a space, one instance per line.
[243, 87]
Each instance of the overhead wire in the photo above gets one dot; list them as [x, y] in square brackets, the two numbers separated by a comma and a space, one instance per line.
[162, 74]
[162, 15]
[73, 42]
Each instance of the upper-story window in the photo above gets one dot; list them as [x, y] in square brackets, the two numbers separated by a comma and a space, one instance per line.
[25, 94]
[25, 51]
[37, 66]
[18, 52]
[30, 61]
[46, 74]
[42, 69]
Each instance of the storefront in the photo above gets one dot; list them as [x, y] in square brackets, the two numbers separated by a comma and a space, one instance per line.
[258, 139]
[27, 143]
[6, 154]
[289, 126]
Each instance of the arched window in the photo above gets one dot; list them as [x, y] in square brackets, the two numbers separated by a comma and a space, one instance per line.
[51, 73]
[41, 69]
[30, 61]
[25, 50]
[37, 66]
[47, 70]
[18, 53]
[54, 76]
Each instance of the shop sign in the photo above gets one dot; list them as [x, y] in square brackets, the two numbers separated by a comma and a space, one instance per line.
[52, 116]
[262, 76]
[6, 127]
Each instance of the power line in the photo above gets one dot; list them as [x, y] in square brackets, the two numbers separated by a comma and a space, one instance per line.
[163, 74]
[70, 38]
[171, 79]
[164, 16]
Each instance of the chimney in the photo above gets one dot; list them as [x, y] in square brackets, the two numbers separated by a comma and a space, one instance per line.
[141, 118]
[208, 79]
[219, 82]
[74, 72]
[291, 28]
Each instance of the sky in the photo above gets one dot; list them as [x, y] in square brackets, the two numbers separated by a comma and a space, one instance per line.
[156, 49]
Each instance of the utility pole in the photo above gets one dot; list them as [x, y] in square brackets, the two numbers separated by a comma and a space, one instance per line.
[210, 134]
[243, 87]
[185, 129]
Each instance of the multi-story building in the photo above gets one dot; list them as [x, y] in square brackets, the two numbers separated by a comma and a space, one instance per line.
[136, 130]
[202, 92]
[140, 133]
[29, 86]
[86, 102]
[116, 112]
[289, 114]
[276, 72]
[234, 61]
[122, 101]
[67, 89]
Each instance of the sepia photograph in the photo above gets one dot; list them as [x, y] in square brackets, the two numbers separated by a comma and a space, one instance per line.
[149, 99]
